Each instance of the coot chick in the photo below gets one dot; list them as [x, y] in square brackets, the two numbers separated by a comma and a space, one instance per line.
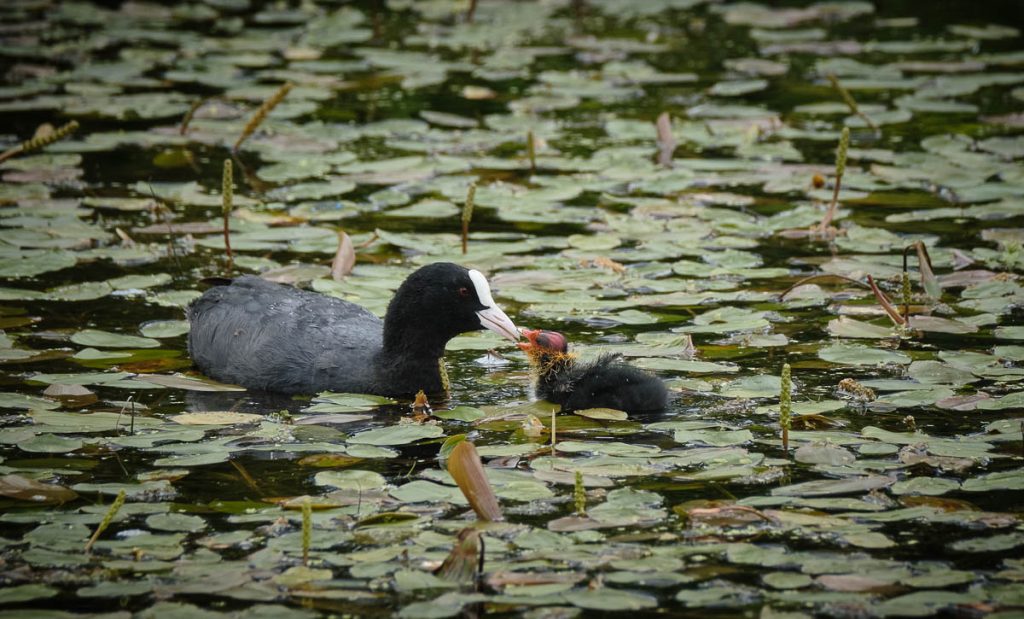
[273, 337]
[605, 382]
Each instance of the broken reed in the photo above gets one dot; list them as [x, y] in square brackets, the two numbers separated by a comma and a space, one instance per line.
[924, 264]
[467, 215]
[307, 529]
[579, 495]
[850, 101]
[929, 282]
[261, 114]
[531, 152]
[905, 281]
[553, 428]
[844, 145]
[107, 519]
[40, 141]
[227, 196]
[344, 258]
[883, 301]
[187, 119]
[666, 141]
[786, 406]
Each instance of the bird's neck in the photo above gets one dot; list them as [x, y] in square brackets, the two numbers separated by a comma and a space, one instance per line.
[405, 374]
[410, 356]
[411, 341]
[551, 365]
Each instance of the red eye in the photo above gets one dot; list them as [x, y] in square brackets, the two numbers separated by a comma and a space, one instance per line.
[464, 292]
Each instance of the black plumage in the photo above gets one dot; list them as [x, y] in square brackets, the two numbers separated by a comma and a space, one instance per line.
[605, 382]
[272, 337]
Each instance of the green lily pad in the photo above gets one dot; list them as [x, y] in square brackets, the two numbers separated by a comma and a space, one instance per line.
[855, 354]
[931, 486]
[401, 434]
[164, 328]
[105, 339]
[607, 599]
[351, 480]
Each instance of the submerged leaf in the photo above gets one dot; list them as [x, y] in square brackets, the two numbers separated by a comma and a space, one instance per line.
[25, 489]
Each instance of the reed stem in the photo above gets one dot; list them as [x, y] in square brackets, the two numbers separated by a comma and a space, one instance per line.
[307, 529]
[786, 406]
[553, 431]
[850, 101]
[467, 215]
[107, 519]
[261, 114]
[579, 495]
[40, 141]
[531, 152]
[844, 144]
[227, 197]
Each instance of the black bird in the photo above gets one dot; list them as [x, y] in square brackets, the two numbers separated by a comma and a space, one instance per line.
[273, 337]
[605, 382]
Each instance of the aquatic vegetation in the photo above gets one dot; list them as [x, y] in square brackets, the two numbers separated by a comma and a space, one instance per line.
[44, 136]
[667, 206]
[227, 191]
[785, 406]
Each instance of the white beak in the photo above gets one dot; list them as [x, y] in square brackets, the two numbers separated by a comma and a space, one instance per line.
[496, 320]
[491, 317]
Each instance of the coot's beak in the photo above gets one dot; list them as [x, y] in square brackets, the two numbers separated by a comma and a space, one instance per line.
[496, 320]
[531, 337]
[491, 317]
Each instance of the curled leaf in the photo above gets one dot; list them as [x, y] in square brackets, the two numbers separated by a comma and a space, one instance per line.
[344, 258]
[468, 472]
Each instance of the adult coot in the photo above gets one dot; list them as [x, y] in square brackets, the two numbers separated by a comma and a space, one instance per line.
[603, 383]
[274, 337]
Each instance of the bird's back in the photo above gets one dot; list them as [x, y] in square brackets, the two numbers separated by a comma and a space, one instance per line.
[609, 383]
[274, 337]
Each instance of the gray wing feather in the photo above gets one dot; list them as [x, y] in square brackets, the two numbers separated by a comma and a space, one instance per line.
[267, 336]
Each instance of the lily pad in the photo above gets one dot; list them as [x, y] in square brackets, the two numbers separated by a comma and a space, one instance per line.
[401, 434]
[105, 339]
[225, 418]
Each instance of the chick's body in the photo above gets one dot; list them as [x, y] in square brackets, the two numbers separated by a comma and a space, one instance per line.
[605, 382]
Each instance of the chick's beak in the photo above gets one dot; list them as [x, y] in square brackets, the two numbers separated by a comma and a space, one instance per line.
[531, 338]
[496, 320]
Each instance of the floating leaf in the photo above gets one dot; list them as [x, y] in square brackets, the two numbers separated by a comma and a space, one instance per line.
[931, 486]
[360, 481]
[829, 487]
[105, 339]
[845, 326]
[26, 593]
[855, 354]
[212, 418]
[603, 414]
[461, 413]
[607, 599]
[189, 383]
[401, 434]
[1001, 480]
[164, 328]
